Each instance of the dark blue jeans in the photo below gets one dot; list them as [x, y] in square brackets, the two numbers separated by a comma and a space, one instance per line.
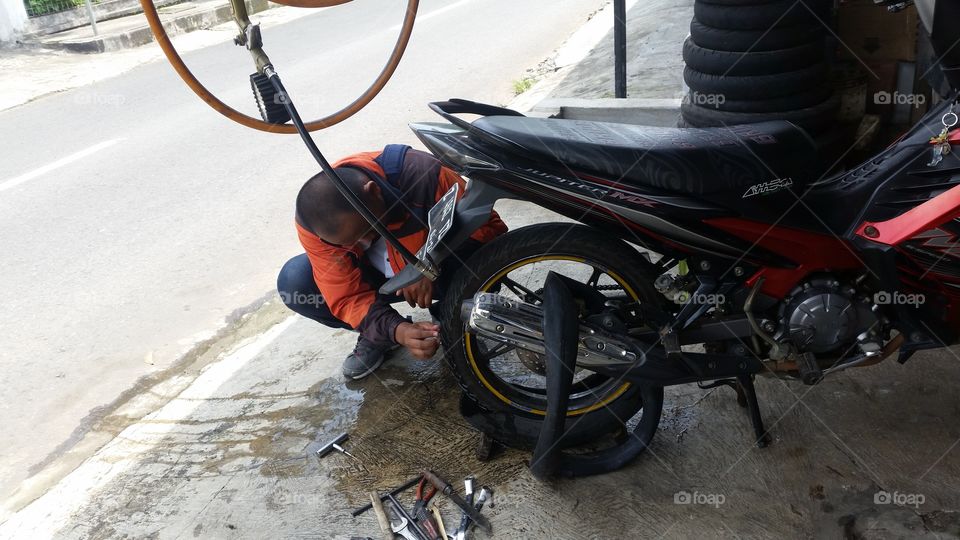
[299, 291]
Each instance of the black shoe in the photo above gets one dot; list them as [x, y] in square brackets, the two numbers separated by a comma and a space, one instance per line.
[365, 358]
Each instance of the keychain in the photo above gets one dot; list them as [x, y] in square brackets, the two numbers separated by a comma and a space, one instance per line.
[941, 143]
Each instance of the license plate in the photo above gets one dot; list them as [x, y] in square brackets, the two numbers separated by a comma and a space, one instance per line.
[440, 220]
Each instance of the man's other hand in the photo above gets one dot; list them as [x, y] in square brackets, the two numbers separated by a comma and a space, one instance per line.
[418, 294]
[421, 338]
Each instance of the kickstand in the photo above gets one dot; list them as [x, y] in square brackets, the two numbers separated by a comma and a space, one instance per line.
[746, 388]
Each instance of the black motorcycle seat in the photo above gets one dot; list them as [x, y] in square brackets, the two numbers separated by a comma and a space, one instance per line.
[688, 160]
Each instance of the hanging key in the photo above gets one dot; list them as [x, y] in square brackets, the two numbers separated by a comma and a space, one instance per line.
[941, 143]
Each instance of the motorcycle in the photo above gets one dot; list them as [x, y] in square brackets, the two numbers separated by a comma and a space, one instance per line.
[696, 256]
[705, 256]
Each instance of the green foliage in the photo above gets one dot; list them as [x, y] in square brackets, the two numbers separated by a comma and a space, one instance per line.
[44, 7]
[522, 85]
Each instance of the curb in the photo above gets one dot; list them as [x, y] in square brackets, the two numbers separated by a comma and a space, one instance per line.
[641, 111]
[142, 35]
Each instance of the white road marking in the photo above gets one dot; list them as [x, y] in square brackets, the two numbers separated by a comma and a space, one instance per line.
[434, 13]
[26, 177]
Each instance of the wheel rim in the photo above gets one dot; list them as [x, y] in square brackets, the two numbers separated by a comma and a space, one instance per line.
[510, 379]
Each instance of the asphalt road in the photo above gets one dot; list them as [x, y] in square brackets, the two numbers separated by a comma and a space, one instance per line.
[134, 220]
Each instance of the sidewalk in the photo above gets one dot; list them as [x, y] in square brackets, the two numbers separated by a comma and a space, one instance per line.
[231, 453]
[31, 72]
[133, 30]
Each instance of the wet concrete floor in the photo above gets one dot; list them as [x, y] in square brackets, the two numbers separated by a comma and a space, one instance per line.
[868, 454]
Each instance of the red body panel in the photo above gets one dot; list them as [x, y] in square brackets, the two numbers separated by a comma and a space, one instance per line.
[812, 252]
[937, 210]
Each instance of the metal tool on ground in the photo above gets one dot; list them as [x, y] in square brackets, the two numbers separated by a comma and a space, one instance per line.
[382, 518]
[486, 494]
[402, 527]
[335, 445]
[448, 491]
[425, 492]
[468, 497]
[403, 487]
[418, 532]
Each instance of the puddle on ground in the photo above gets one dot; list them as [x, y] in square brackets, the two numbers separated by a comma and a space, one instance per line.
[400, 420]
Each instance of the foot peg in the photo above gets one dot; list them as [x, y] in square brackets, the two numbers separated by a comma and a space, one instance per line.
[269, 102]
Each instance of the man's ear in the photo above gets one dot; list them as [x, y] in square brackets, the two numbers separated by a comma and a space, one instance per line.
[371, 190]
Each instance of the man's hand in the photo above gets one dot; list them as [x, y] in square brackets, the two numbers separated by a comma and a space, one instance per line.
[418, 294]
[421, 338]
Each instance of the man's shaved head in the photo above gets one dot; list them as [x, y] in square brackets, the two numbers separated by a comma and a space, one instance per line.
[327, 213]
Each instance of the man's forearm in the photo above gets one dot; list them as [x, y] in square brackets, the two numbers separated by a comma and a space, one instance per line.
[380, 324]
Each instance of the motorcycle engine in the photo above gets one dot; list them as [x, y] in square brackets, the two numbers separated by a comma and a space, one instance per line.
[822, 316]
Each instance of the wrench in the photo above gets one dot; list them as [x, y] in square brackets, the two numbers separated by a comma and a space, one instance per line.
[403, 529]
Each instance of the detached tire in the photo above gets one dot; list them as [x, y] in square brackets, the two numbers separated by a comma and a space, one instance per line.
[601, 410]
[802, 100]
[751, 63]
[759, 16]
[753, 40]
[813, 119]
[756, 86]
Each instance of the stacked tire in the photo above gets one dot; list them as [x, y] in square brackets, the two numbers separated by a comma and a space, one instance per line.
[751, 61]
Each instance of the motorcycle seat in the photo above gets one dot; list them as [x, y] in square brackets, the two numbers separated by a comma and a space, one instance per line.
[689, 160]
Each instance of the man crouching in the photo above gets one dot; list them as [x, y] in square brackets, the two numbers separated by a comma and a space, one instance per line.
[335, 282]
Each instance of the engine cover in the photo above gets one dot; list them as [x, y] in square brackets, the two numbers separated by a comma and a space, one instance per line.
[822, 316]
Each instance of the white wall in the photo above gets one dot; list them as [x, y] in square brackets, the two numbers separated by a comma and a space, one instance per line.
[13, 17]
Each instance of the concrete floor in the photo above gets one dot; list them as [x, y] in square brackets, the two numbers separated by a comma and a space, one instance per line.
[231, 456]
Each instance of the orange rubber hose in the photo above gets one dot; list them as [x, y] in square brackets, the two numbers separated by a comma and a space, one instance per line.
[181, 68]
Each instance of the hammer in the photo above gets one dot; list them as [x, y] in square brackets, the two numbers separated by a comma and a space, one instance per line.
[335, 445]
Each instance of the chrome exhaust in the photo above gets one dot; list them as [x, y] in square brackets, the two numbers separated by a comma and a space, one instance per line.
[511, 321]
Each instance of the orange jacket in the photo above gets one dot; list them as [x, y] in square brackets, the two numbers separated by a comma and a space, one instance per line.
[336, 269]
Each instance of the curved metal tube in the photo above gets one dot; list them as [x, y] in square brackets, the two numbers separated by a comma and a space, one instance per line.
[150, 11]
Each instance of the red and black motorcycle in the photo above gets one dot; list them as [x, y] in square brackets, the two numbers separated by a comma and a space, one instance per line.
[701, 256]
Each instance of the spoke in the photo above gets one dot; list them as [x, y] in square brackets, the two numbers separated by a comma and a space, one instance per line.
[524, 293]
[501, 348]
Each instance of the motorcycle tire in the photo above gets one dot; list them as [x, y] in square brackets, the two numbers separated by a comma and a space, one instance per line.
[753, 40]
[590, 418]
[813, 119]
[801, 100]
[756, 86]
[759, 16]
[751, 63]
[816, 4]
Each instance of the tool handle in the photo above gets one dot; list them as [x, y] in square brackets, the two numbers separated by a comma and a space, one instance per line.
[445, 488]
[382, 518]
[406, 485]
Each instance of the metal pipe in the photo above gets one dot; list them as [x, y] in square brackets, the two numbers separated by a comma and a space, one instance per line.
[92, 16]
[620, 47]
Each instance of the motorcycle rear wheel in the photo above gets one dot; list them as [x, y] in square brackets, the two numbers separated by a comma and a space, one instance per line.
[516, 264]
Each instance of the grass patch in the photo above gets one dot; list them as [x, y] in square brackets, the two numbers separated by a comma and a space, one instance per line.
[522, 85]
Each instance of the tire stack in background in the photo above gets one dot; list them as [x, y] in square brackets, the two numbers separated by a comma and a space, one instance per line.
[750, 61]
